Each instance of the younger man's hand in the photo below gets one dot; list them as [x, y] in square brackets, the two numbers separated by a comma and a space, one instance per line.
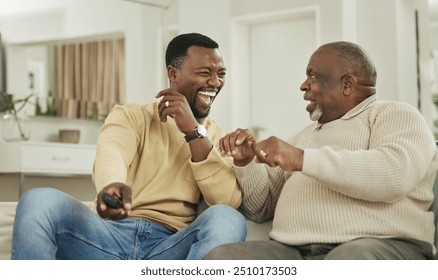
[119, 191]
[239, 144]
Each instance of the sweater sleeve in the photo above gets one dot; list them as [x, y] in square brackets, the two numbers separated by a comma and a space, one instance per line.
[401, 149]
[261, 186]
[116, 146]
[217, 181]
[215, 176]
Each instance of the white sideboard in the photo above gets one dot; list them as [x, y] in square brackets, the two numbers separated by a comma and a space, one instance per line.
[46, 159]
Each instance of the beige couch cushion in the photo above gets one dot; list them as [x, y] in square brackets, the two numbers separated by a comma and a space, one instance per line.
[7, 214]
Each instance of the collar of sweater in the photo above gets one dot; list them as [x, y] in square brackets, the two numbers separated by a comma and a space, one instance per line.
[356, 110]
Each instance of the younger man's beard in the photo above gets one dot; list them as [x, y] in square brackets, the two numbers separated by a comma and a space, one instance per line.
[197, 114]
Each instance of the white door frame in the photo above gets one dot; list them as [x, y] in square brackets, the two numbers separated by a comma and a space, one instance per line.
[240, 63]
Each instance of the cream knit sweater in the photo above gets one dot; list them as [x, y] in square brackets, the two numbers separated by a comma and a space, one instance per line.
[367, 174]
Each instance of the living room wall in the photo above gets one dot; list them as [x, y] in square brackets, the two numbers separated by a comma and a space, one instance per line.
[51, 21]
[387, 37]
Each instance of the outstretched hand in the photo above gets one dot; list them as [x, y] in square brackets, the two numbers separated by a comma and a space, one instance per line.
[238, 144]
[120, 191]
[276, 152]
[243, 147]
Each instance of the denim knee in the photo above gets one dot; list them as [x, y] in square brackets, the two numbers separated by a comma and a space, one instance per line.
[38, 201]
[39, 196]
[227, 219]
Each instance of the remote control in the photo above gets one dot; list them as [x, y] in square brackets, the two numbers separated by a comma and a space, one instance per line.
[111, 201]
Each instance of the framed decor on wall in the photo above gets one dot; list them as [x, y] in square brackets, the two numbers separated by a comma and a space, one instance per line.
[2, 67]
[35, 79]
[2, 76]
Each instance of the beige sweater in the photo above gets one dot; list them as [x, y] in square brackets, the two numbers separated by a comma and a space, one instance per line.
[368, 174]
[136, 148]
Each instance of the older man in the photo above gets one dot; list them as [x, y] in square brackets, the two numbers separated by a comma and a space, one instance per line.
[356, 184]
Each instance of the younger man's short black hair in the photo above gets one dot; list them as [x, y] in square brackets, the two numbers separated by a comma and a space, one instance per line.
[178, 46]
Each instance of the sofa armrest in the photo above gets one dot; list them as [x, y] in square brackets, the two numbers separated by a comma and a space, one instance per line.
[7, 215]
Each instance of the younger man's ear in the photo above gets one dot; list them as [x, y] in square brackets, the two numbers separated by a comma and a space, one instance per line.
[171, 73]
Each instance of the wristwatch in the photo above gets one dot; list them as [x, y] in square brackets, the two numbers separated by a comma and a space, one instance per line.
[199, 132]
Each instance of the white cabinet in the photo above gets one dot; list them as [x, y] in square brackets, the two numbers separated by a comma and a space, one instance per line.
[57, 158]
[46, 159]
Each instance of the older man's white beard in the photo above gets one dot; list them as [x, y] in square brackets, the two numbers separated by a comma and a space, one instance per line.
[316, 114]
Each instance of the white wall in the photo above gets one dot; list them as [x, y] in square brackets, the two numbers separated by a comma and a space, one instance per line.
[433, 26]
[228, 110]
[384, 28]
[391, 42]
[212, 18]
[330, 12]
[58, 20]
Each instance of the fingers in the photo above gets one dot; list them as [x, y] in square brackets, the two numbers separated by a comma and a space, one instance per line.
[126, 198]
[239, 145]
[113, 214]
[168, 100]
[119, 191]
[229, 144]
[276, 152]
[176, 106]
[225, 144]
[269, 151]
[166, 107]
[261, 153]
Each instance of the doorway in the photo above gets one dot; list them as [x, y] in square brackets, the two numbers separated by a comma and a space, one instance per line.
[270, 71]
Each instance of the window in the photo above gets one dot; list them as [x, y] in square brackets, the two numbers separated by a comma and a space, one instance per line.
[89, 78]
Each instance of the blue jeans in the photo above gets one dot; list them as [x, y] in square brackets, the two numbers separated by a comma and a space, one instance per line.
[50, 224]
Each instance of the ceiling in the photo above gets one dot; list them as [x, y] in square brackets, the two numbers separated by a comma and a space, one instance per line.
[433, 5]
[153, 3]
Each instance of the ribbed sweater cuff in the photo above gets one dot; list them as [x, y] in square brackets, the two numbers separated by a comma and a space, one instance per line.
[311, 162]
[251, 174]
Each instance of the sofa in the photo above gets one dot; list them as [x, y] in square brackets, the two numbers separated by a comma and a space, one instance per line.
[256, 231]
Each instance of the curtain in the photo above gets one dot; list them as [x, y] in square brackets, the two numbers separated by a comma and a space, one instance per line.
[89, 78]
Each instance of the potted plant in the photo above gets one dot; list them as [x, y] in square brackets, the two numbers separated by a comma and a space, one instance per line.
[15, 124]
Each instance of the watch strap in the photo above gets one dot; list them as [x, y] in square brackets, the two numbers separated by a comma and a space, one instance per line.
[192, 135]
[199, 132]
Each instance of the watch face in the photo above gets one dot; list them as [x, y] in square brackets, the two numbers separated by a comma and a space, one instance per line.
[202, 130]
